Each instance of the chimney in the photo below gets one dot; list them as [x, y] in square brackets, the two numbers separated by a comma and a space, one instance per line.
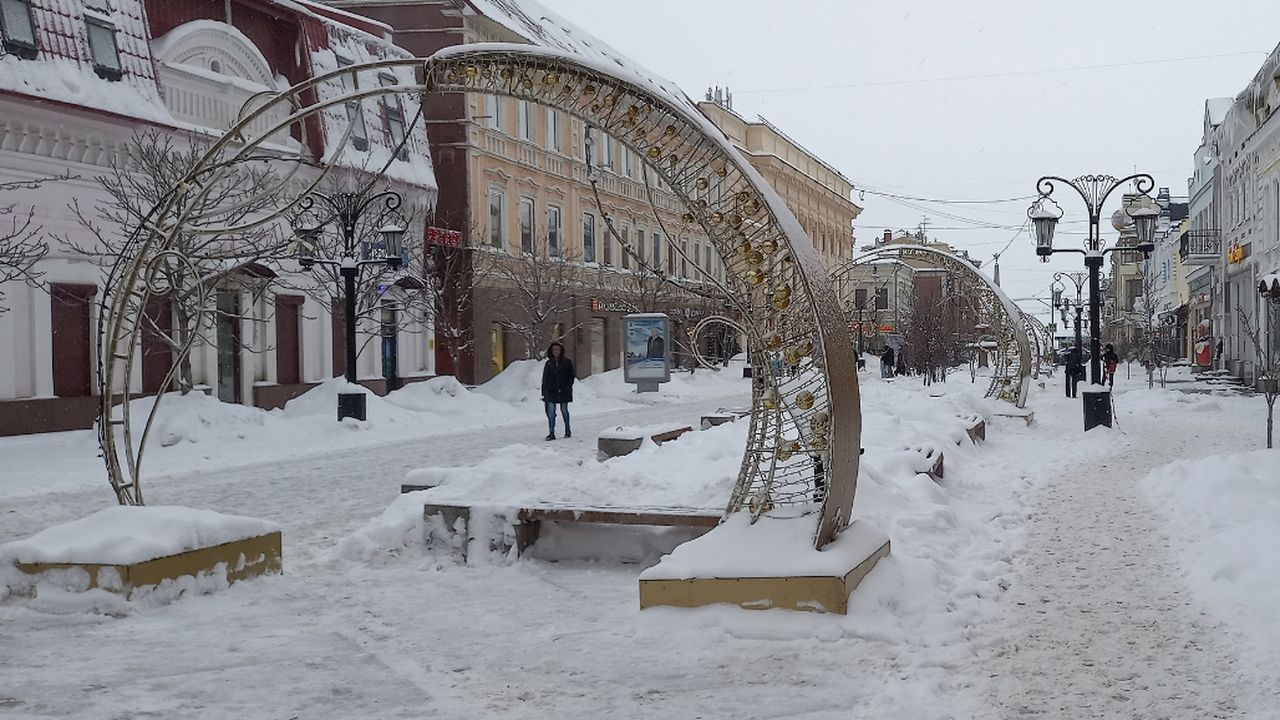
[888, 236]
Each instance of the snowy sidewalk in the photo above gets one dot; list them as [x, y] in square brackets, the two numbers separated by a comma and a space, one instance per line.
[1101, 620]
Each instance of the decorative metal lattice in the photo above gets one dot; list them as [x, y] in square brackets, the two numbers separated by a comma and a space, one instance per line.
[1011, 364]
[806, 420]
[1041, 342]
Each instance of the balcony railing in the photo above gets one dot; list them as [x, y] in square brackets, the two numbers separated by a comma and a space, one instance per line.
[1200, 246]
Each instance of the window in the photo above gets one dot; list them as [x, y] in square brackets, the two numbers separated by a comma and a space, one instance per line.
[707, 259]
[625, 157]
[671, 258]
[624, 257]
[494, 111]
[588, 238]
[684, 257]
[697, 255]
[497, 217]
[525, 215]
[657, 253]
[395, 118]
[527, 124]
[102, 48]
[17, 31]
[606, 151]
[606, 248]
[553, 232]
[882, 298]
[641, 257]
[355, 113]
[555, 131]
[860, 298]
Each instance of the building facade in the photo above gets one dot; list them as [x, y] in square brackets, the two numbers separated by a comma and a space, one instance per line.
[84, 85]
[1245, 151]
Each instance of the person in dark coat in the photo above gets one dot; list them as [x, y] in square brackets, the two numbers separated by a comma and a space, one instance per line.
[557, 388]
[1075, 371]
[886, 362]
[1109, 363]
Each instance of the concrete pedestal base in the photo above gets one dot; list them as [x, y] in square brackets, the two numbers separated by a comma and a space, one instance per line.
[244, 559]
[815, 582]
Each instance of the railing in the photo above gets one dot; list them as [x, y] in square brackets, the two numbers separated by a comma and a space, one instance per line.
[1200, 245]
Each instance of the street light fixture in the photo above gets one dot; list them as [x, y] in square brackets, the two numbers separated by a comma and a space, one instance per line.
[316, 211]
[1045, 213]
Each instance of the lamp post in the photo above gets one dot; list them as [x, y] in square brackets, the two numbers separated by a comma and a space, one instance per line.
[345, 210]
[1066, 305]
[1045, 213]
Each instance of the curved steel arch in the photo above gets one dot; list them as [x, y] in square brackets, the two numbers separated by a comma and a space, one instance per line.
[805, 434]
[1012, 367]
[1041, 344]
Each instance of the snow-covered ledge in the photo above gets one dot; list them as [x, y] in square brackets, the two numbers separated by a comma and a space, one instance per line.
[767, 564]
[127, 549]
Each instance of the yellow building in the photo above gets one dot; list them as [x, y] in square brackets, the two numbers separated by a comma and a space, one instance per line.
[818, 195]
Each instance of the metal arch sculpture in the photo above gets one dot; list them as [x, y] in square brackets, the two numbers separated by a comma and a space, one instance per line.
[805, 432]
[1041, 343]
[1012, 367]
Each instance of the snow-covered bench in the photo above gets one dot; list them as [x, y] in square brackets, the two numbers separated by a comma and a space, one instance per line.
[526, 522]
[624, 440]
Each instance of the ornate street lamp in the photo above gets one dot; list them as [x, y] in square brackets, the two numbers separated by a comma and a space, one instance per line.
[1045, 213]
[345, 210]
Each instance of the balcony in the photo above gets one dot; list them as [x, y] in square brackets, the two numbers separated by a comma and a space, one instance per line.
[1200, 247]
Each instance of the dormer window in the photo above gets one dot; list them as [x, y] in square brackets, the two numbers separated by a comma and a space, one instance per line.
[102, 39]
[355, 114]
[17, 31]
[395, 117]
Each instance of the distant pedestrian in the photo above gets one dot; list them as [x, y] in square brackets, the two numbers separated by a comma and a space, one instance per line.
[1074, 371]
[1109, 363]
[557, 388]
[886, 362]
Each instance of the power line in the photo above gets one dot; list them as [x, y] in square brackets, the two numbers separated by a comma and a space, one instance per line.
[983, 76]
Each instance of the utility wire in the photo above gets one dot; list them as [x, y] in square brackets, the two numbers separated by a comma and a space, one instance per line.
[983, 76]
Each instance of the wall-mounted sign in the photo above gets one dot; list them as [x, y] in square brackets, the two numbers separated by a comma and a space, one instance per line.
[622, 306]
[440, 236]
[1237, 252]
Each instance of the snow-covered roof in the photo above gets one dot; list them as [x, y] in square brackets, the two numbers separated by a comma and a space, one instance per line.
[64, 72]
[1215, 109]
[542, 27]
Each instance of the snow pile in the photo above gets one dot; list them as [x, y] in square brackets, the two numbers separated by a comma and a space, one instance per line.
[904, 433]
[1226, 509]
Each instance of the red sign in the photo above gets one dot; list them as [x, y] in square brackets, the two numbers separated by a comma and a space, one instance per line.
[440, 236]
[886, 328]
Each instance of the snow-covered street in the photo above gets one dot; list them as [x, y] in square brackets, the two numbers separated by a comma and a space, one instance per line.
[1049, 574]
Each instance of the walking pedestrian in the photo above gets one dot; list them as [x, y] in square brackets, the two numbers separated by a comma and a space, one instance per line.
[1109, 362]
[557, 388]
[886, 362]
[1074, 370]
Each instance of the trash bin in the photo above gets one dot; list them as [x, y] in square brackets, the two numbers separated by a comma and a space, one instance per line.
[1097, 408]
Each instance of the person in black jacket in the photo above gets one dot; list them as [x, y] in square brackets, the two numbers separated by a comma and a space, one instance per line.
[557, 388]
[1109, 362]
[1074, 371]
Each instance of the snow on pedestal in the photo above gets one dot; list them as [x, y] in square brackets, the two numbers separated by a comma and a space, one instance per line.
[767, 564]
[124, 549]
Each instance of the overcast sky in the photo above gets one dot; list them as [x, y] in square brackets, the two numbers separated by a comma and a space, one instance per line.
[949, 100]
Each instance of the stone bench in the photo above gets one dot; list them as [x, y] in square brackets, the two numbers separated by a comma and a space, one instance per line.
[977, 432]
[1021, 414]
[615, 443]
[722, 416]
[527, 521]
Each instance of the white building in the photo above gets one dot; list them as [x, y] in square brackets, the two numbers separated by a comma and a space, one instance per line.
[78, 80]
[1246, 146]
